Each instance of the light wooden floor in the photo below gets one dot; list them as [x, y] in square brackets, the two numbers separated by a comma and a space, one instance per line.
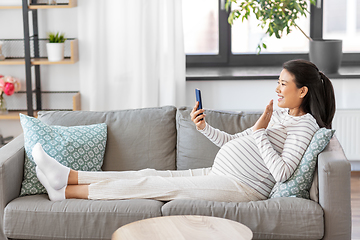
[355, 205]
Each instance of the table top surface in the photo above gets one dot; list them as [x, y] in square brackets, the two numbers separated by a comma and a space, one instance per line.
[183, 227]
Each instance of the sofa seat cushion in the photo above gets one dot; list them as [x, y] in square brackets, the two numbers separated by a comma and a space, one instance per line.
[278, 218]
[35, 217]
[137, 138]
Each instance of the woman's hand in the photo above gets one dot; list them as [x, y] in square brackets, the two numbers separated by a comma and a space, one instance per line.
[264, 119]
[199, 120]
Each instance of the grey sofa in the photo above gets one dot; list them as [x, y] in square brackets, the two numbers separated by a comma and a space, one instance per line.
[165, 138]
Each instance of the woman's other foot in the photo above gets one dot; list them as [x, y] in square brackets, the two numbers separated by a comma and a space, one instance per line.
[54, 195]
[57, 174]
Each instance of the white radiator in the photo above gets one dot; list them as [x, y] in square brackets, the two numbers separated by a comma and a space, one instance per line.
[347, 126]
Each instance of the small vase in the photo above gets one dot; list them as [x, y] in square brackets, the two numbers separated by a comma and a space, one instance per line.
[2, 57]
[3, 106]
[55, 51]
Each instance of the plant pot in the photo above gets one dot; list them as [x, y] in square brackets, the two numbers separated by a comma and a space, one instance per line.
[55, 51]
[326, 55]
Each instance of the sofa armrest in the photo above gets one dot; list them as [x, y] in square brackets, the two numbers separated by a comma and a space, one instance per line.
[11, 174]
[334, 173]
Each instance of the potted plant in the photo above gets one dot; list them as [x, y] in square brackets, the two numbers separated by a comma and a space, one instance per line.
[279, 17]
[55, 46]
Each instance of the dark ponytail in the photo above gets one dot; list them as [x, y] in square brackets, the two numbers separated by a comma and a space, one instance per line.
[329, 101]
[320, 98]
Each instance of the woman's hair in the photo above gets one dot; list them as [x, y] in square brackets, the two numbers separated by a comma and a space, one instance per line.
[320, 98]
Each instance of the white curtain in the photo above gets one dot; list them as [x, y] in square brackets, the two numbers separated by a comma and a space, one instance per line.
[131, 54]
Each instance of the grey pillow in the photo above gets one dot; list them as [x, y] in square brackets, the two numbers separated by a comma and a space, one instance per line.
[137, 138]
[194, 150]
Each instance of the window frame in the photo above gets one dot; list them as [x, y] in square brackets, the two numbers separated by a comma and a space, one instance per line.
[227, 58]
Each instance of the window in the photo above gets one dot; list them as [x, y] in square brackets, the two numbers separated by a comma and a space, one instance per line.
[358, 15]
[341, 21]
[246, 35]
[201, 28]
[211, 41]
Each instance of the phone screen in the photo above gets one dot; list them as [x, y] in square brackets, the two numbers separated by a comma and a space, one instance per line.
[198, 98]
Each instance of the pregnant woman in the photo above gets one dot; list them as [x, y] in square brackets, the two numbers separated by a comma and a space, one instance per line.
[246, 167]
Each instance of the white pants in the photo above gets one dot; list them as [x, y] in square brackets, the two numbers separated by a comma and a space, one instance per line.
[166, 185]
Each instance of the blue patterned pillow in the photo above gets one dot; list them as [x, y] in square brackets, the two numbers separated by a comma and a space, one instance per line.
[299, 184]
[78, 147]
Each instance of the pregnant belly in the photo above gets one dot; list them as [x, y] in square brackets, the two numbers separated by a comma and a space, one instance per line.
[241, 158]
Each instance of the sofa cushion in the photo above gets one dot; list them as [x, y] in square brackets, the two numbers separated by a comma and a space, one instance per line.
[194, 150]
[35, 217]
[77, 147]
[299, 184]
[278, 218]
[137, 138]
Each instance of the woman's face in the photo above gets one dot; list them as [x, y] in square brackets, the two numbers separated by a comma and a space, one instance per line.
[289, 95]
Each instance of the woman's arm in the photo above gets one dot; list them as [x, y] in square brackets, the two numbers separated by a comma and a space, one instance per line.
[219, 138]
[283, 165]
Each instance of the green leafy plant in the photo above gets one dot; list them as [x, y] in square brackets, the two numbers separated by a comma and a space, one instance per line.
[56, 37]
[276, 16]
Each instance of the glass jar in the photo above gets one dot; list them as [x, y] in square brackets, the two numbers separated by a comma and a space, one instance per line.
[3, 106]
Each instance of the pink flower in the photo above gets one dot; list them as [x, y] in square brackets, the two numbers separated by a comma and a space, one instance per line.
[14, 81]
[9, 85]
[10, 79]
[17, 86]
[9, 89]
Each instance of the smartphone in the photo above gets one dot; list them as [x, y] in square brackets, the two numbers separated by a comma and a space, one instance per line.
[198, 98]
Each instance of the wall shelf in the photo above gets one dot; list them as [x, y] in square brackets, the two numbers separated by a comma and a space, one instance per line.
[10, 7]
[36, 61]
[14, 114]
[74, 57]
[12, 61]
[71, 4]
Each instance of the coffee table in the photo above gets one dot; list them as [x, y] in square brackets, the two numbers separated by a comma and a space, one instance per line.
[183, 227]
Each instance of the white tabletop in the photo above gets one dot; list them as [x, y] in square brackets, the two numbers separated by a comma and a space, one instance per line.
[189, 227]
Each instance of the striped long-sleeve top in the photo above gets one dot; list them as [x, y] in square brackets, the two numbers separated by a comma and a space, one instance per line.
[260, 159]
